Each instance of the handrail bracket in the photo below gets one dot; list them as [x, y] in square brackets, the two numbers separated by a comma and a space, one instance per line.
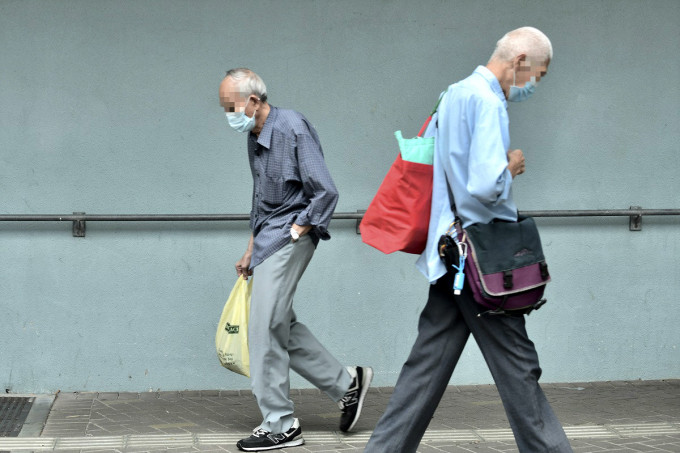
[635, 220]
[79, 226]
[361, 212]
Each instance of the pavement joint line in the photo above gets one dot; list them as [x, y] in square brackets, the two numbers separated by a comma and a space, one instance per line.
[320, 438]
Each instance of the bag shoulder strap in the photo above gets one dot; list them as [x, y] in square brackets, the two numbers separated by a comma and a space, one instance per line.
[429, 118]
[451, 200]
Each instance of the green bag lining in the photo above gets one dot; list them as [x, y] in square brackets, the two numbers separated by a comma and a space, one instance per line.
[416, 149]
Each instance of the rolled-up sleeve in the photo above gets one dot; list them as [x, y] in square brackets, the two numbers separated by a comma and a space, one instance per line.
[317, 185]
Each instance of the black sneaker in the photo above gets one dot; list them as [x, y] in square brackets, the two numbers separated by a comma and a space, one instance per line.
[351, 403]
[262, 440]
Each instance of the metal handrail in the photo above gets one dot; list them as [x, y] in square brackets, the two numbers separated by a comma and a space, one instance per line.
[358, 215]
[635, 214]
[119, 217]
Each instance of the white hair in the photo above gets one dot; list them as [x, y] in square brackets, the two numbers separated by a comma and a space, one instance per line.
[248, 82]
[526, 40]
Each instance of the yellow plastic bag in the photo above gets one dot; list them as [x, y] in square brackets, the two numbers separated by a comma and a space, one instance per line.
[231, 340]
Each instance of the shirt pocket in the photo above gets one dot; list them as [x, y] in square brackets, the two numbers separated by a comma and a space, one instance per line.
[280, 189]
[281, 181]
[273, 190]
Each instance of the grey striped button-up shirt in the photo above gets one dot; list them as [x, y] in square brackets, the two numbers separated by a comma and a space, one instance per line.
[291, 183]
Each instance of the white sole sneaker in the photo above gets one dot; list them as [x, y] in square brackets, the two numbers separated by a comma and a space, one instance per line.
[353, 401]
[293, 443]
[366, 382]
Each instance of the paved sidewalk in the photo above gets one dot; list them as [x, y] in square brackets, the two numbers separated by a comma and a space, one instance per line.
[626, 416]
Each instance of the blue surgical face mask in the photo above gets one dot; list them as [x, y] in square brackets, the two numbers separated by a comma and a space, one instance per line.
[518, 94]
[239, 121]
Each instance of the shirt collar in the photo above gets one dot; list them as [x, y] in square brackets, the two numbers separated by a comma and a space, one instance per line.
[265, 137]
[493, 83]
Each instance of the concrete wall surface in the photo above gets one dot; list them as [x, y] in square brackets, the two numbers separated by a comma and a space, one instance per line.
[111, 107]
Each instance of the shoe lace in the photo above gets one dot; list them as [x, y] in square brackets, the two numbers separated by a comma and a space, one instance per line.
[259, 432]
[349, 399]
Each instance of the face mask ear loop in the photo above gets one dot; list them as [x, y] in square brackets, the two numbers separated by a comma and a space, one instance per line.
[254, 112]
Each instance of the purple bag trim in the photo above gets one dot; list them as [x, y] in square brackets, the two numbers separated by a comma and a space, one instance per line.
[528, 296]
[527, 278]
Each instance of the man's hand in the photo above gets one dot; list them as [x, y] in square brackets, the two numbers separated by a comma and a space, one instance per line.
[242, 266]
[301, 229]
[516, 162]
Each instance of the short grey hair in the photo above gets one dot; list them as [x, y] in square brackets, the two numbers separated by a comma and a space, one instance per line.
[526, 40]
[248, 82]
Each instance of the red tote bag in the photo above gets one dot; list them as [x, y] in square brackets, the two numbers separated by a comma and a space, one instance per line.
[399, 216]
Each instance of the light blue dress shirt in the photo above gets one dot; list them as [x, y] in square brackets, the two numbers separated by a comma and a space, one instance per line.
[471, 145]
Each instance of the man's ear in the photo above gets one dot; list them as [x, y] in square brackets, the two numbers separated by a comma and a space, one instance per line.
[254, 99]
[516, 62]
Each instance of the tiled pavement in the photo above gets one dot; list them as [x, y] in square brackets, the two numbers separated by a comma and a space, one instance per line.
[615, 417]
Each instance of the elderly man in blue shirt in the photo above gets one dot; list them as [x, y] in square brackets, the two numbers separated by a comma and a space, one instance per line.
[292, 204]
[472, 153]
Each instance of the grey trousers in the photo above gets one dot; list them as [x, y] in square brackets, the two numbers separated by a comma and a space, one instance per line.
[444, 327]
[278, 342]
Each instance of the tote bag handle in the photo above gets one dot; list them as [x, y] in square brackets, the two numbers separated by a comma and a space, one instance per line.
[429, 118]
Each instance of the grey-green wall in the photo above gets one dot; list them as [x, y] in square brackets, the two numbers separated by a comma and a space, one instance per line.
[111, 107]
